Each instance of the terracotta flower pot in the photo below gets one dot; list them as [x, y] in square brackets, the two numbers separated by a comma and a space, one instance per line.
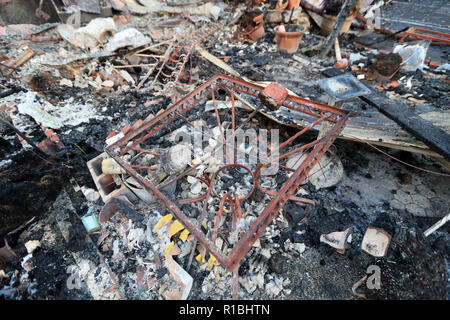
[293, 4]
[288, 37]
[328, 22]
[254, 29]
[378, 76]
[256, 33]
[258, 19]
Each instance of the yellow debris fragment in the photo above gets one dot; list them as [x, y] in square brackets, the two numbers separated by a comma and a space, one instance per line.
[198, 160]
[212, 262]
[175, 227]
[184, 234]
[170, 247]
[201, 259]
[217, 278]
[162, 222]
[110, 166]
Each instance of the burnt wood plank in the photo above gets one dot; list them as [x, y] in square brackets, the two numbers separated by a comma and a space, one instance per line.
[435, 138]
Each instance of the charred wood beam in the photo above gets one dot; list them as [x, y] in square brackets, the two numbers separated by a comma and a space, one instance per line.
[435, 138]
[35, 148]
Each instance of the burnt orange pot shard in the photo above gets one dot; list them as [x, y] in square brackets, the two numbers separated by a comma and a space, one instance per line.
[288, 37]
[257, 32]
[254, 29]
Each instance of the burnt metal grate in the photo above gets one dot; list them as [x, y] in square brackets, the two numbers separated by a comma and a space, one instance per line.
[289, 176]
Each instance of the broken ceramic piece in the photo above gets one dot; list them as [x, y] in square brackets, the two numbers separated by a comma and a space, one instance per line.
[339, 239]
[32, 245]
[376, 242]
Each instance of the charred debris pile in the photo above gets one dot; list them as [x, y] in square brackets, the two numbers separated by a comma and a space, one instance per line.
[256, 149]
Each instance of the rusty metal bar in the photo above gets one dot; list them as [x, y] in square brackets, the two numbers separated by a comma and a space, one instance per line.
[264, 219]
[411, 32]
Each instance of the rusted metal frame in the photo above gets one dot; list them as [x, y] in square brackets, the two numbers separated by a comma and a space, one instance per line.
[169, 67]
[273, 193]
[147, 75]
[131, 134]
[220, 142]
[237, 214]
[146, 151]
[182, 59]
[154, 56]
[220, 146]
[287, 154]
[237, 211]
[233, 165]
[219, 78]
[163, 63]
[154, 46]
[411, 32]
[313, 104]
[286, 168]
[165, 75]
[309, 106]
[195, 199]
[254, 90]
[295, 136]
[258, 89]
[224, 260]
[173, 208]
[264, 219]
[446, 35]
[179, 65]
[171, 116]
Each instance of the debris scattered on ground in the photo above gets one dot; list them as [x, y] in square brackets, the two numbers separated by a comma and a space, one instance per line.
[162, 150]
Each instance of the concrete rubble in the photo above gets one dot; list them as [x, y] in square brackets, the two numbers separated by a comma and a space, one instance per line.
[156, 150]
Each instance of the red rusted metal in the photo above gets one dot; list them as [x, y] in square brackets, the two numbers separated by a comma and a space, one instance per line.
[195, 100]
[425, 34]
[233, 166]
[199, 198]
[276, 92]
